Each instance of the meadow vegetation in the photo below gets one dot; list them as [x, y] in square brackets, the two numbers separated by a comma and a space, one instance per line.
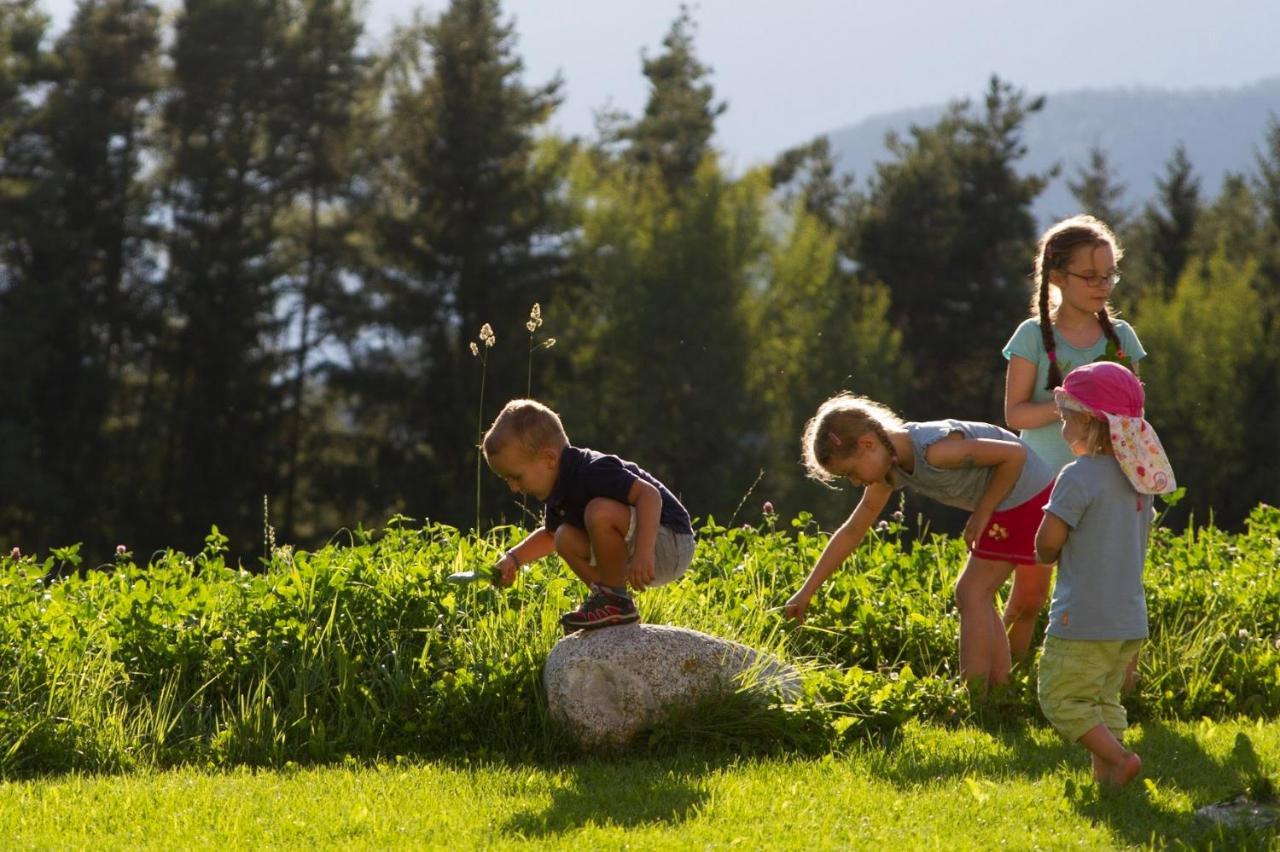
[361, 649]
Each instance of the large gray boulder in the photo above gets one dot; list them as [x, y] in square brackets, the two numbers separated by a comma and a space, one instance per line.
[607, 685]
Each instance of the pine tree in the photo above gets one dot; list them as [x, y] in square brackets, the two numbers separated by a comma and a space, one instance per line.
[661, 342]
[1234, 222]
[1266, 186]
[328, 79]
[948, 228]
[808, 174]
[1170, 221]
[674, 134]
[1098, 192]
[1267, 181]
[466, 231]
[226, 183]
[85, 263]
[32, 495]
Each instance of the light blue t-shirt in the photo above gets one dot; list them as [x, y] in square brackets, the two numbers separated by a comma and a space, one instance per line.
[964, 487]
[1098, 594]
[1028, 343]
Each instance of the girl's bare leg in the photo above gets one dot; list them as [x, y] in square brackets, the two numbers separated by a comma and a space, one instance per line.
[984, 646]
[1026, 599]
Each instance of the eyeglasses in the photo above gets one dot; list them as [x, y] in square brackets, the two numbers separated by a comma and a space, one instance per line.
[1111, 278]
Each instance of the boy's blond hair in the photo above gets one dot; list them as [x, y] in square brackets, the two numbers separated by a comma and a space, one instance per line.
[527, 422]
[834, 431]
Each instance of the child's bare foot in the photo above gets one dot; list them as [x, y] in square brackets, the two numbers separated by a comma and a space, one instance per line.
[1121, 774]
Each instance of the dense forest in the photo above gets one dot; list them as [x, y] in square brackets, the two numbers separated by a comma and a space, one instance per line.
[246, 260]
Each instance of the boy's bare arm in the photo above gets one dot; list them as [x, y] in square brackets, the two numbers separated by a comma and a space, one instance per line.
[1050, 537]
[648, 503]
[537, 544]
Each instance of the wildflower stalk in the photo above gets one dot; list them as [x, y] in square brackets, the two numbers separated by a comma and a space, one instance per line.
[481, 351]
[268, 533]
[535, 321]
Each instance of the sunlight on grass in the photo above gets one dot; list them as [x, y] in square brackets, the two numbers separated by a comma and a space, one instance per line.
[962, 788]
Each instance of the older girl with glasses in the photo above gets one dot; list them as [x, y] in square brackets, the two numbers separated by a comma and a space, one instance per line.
[1071, 324]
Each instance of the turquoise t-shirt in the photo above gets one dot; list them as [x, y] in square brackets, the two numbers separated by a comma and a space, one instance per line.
[1098, 593]
[1046, 441]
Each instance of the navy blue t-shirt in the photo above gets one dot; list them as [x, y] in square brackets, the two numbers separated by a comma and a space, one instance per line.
[586, 474]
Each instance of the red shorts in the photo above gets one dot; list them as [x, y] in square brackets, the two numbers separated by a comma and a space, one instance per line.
[1010, 535]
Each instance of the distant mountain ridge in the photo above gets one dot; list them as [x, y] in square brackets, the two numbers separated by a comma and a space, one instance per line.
[1138, 128]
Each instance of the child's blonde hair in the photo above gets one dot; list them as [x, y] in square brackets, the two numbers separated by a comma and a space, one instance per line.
[1098, 438]
[834, 431]
[530, 423]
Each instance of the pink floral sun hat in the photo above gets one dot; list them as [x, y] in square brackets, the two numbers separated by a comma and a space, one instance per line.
[1111, 393]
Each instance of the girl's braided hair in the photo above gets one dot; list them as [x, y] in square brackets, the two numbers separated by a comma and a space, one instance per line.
[833, 432]
[1053, 253]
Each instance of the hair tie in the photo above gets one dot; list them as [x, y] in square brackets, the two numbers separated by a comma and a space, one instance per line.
[1053, 357]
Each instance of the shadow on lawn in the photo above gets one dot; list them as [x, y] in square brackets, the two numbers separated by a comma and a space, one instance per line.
[616, 793]
[1140, 814]
[1173, 761]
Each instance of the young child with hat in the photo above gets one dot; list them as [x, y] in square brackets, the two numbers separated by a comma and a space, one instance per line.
[1095, 527]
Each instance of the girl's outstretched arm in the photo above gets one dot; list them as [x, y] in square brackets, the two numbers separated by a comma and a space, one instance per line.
[1007, 457]
[842, 543]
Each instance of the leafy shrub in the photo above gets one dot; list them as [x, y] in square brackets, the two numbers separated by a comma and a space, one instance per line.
[362, 648]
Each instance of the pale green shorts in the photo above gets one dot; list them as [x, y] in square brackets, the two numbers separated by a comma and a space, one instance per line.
[1079, 684]
[672, 552]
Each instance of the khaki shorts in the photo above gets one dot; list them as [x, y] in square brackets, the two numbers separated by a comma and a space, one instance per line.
[672, 552]
[1079, 684]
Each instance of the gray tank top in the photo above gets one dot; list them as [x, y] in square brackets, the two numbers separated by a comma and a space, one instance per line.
[963, 487]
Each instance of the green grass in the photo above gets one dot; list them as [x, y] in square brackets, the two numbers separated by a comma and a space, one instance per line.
[1019, 787]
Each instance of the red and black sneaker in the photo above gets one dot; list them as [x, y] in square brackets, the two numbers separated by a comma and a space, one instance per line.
[602, 608]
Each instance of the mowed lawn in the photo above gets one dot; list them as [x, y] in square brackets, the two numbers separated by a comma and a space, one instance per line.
[932, 788]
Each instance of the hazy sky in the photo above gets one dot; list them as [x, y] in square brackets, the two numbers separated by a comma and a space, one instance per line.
[790, 70]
